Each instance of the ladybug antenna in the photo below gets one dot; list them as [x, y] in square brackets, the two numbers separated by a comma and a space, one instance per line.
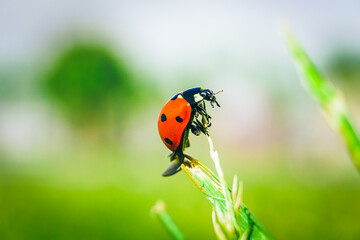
[218, 92]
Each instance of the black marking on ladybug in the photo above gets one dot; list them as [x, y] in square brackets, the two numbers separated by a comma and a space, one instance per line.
[168, 141]
[179, 119]
[163, 117]
[175, 97]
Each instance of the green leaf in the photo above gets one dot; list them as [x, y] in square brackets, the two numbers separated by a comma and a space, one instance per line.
[330, 99]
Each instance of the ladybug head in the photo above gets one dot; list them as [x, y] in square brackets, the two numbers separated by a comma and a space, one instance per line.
[209, 95]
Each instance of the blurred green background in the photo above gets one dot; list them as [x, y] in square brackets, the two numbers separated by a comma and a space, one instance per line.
[81, 86]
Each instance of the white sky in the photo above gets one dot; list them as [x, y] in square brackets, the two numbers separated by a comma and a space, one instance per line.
[224, 42]
[175, 35]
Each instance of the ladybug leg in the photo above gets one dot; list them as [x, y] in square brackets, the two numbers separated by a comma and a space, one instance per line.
[212, 103]
[201, 111]
[195, 130]
[200, 108]
[200, 126]
[187, 143]
[205, 122]
[217, 104]
[203, 105]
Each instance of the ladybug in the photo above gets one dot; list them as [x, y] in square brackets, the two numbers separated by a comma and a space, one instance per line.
[184, 112]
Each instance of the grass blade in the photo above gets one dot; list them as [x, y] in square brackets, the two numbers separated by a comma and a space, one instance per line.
[230, 222]
[160, 212]
[330, 99]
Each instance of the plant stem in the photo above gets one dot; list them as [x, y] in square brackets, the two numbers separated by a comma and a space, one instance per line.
[160, 212]
[330, 99]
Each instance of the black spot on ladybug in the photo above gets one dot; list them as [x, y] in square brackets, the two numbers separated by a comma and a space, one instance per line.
[175, 97]
[163, 117]
[168, 141]
[179, 119]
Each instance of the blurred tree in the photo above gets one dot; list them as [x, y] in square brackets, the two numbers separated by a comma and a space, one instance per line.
[91, 87]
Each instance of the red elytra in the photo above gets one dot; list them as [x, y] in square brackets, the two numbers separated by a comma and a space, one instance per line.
[173, 120]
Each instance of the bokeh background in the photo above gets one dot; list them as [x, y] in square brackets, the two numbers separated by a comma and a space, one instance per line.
[81, 86]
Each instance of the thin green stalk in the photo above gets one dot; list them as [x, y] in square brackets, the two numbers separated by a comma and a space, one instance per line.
[231, 218]
[330, 99]
[160, 212]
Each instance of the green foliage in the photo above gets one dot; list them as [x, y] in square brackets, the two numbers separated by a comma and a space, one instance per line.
[345, 66]
[31, 209]
[89, 83]
[99, 200]
[231, 218]
[330, 99]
